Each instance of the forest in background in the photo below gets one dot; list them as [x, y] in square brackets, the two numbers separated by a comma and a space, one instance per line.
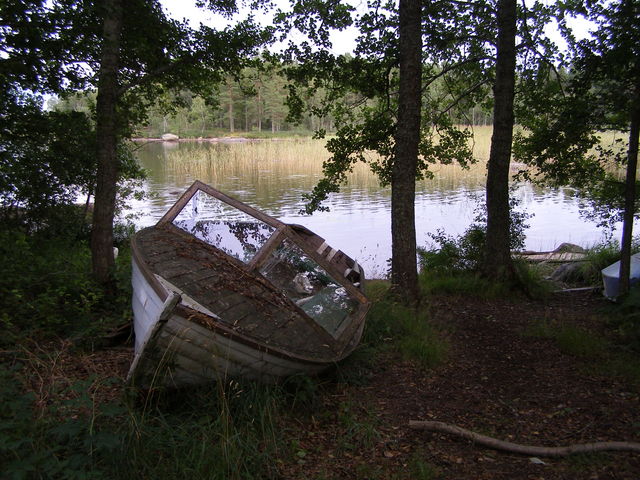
[418, 72]
[253, 103]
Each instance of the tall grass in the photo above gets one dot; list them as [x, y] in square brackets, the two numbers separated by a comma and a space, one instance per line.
[599, 353]
[404, 329]
[300, 160]
[602, 255]
[223, 431]
[570, 339]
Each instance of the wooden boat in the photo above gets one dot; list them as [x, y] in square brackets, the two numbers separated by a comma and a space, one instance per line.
[238, 294]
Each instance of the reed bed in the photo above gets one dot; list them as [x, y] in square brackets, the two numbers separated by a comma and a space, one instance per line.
[301, 159]
[279, 158]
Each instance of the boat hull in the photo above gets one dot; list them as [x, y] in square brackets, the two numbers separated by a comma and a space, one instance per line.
[239, 295]
[611, 276]
[179, 351]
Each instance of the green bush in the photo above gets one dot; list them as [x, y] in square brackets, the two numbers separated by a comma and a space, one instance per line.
[600, 256]
[462, 254]
[46, 287]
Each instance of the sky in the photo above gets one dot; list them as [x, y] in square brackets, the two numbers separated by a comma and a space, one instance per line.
[343, 42]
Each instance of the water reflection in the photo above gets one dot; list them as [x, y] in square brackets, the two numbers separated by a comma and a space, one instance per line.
[273, 176]
[223, 226]
[308, 285]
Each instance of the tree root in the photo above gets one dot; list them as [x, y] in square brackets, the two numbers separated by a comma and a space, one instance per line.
[524, 449]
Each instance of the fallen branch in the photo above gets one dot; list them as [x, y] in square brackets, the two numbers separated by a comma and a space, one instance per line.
[496, 444]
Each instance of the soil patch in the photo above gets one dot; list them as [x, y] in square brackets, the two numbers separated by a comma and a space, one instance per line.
[499, 381]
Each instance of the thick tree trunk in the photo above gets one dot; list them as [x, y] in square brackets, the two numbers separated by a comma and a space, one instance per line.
[630, 196]
[404, 275]
[497, 261]
[106, 128]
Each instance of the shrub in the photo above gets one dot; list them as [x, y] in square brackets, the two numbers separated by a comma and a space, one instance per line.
[46, 287]
[454, 255]
[72, 439]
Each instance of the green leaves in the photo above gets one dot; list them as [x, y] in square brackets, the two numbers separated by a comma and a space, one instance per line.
[64, 442]
[566, 113]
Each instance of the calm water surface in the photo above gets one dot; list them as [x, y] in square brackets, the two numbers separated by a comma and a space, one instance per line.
[273, 176]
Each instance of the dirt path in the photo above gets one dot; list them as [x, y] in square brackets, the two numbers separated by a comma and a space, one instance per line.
[497, 381]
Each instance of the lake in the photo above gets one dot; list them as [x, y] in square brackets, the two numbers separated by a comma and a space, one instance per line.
[272, 175]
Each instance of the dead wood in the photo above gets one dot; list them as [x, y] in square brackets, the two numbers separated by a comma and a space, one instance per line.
[496, 444]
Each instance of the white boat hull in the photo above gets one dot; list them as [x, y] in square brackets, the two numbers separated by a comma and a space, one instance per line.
[178, 351]
[611, 276]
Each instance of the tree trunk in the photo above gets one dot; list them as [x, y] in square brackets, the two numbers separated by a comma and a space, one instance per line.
[497, 262]
[259, 105]
[630, 196]
[106, 152]
[404, 275]
[231, 119]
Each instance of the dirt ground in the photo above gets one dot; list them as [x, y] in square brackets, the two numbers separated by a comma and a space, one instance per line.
[497, 381]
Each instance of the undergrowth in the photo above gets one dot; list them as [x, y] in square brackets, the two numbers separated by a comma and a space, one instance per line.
[454, 264]
[599, 353]
[46, 287]
[67, 439]
[225, 431]
[220, 431]
[599, 256]
[405, 329]
[570, 339]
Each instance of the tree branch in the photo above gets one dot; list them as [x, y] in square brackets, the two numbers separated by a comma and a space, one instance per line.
[429, 80]
[464, 94]
[496, 444]
[156, 73]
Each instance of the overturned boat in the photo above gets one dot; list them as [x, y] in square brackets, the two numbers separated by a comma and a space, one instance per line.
[222, 290]
[611, 276]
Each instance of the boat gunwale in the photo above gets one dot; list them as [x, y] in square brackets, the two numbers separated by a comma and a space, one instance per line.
[282, 232]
